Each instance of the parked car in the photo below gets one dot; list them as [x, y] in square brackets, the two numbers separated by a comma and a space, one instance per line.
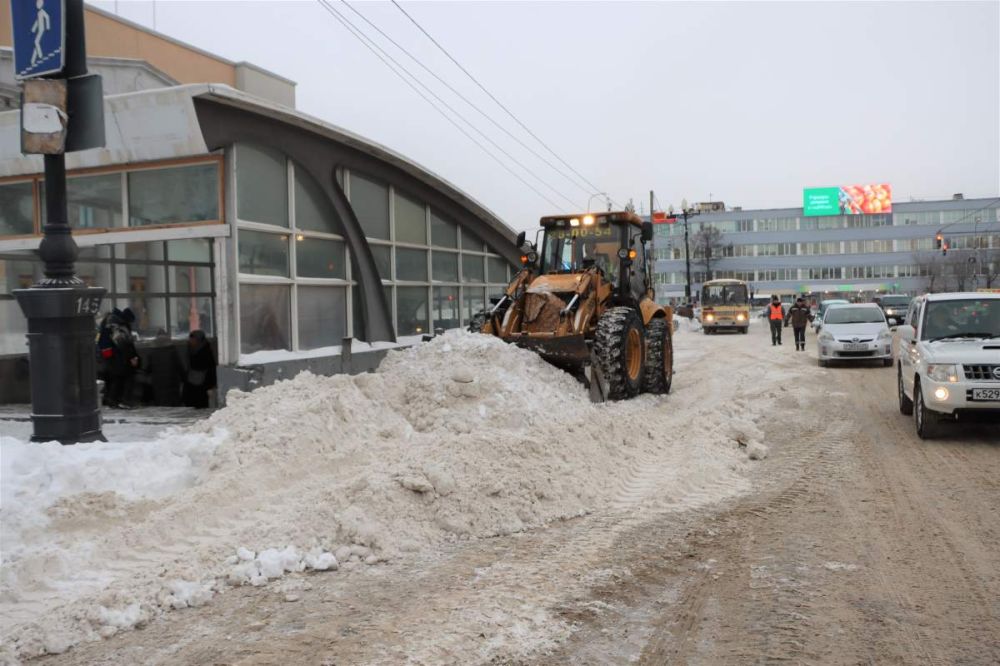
[854, 332]
[948, 359]
[894, 306]
[818, 321]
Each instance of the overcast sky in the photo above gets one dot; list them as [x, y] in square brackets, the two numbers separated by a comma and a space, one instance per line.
[744, 102]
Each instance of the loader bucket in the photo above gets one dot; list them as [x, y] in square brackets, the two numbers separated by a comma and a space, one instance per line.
[570, 351]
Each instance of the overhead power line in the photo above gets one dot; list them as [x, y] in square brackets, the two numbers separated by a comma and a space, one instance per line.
[399, 69]
[472, 104]
[594, 188]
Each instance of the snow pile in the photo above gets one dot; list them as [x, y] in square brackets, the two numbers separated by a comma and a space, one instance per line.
[462, 437]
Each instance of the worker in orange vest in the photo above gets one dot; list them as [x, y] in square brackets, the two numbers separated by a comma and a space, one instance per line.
[776, 315]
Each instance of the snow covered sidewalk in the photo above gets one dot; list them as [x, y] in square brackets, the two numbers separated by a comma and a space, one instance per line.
[460, 438]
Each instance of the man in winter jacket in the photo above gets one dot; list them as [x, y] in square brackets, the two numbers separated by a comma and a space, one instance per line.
[121, 357]
[800, 315]
[775, 314]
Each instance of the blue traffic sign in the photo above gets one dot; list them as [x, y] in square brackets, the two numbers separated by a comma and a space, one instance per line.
[39, 37]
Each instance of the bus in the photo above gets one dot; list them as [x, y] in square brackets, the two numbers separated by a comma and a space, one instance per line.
[725, 304]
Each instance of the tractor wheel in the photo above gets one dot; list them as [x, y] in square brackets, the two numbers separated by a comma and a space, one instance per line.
[618, 345]
[477, 322]
[659, 357]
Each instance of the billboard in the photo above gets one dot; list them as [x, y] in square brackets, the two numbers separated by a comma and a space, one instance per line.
[847, 200]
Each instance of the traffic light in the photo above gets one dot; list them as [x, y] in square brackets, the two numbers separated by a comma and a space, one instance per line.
[944, 248]
[938, 240]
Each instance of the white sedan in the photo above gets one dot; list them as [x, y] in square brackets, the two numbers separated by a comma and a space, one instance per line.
[854, 332]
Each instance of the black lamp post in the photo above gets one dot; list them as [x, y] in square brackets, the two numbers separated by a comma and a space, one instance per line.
[60, 308]
[686, 213]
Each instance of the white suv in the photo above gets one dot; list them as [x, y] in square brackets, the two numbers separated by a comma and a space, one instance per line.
[948, 358]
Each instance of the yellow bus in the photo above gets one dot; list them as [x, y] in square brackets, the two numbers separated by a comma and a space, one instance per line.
[725, 304]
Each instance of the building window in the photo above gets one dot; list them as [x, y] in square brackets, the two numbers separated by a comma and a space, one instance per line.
[370, 201]
[383, 260]
[322, 316]
[411, 220]
[473, 301]
[319, 258]
[174, 195]
[446, 307]
[264, 317]
[497, 269]
[471, 242]
[411, 310]
[17, 209]
[261, 185]
[263, 253]
[444, 266]
[313, 211]
[444, 233]
[93, 202]
[472, 268]
[411, 265]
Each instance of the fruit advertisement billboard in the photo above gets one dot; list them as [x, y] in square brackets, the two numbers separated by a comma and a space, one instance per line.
[847, 200]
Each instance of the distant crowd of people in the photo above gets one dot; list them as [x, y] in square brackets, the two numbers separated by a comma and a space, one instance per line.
[154, 375]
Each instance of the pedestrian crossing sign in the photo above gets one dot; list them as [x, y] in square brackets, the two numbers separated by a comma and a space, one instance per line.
[39, 36]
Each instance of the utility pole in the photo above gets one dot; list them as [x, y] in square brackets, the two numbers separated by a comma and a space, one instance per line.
[686, 213]
[62, 110]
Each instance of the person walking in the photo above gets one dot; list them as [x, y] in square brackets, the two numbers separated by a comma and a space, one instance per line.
[201, 371]
[800, 315]
[776, 315]
[121, 357]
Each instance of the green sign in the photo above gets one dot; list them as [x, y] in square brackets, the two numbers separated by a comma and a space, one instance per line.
[821, 201]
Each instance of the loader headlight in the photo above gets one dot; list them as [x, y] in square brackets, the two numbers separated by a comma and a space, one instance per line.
[588, 220]
[574, 222]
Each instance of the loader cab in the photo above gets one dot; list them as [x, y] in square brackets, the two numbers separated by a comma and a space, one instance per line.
[573, 244]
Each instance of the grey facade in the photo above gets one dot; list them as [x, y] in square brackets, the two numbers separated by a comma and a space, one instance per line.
[782, 251]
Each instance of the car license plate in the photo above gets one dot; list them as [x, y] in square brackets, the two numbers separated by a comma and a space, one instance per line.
[986, 394]
[855, 346]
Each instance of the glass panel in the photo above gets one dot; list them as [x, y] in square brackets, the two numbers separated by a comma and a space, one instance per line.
[319, 258]
[94, 274]
[14, 334]
[411, 220]
[473, 301]
[446, 307]
[472, 242]
[263, 254]
[180, 194]
[17, 209]
[19, 274]
[190, 279]
[472, 268]
[383, 260]
[322, 316]
[445, 266]
[192, 250]
[497, 269]
[411, 310]
[370, 201]
[150, 314]
[264, 318]
[191, 313]
[261, 185]
[411, 264]
[93, 202]
[313, 210]
[444, 233]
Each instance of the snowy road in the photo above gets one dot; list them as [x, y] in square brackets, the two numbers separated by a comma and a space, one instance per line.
[851, 542]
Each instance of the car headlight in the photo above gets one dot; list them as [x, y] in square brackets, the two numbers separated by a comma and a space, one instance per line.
[825, 336]
[943, 372]
[885, 335]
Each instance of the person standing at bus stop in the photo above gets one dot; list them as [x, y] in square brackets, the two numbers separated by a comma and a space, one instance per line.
[800, 315]
[776, 315]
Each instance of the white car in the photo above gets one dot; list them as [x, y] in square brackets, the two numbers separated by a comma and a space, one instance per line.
[854, 332]
[949, 359]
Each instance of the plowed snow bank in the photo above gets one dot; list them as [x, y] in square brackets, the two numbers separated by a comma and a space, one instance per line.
[462, 437]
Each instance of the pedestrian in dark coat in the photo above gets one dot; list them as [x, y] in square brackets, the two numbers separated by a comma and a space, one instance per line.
[201, 370]
[776, 315]
[122, 360]
[799, 315]
[165, 370]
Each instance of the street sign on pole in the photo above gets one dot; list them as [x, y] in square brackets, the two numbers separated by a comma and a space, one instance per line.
[39, 37]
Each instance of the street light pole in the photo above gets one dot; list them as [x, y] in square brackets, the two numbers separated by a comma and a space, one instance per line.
[686, 213]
